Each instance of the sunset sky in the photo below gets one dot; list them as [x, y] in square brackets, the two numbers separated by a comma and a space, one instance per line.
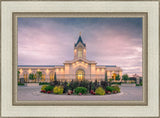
[109, 41]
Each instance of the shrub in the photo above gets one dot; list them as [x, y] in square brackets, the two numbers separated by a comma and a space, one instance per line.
[139, 84]
[65, 87]
[81, 90]
[125, 77]
[75, 84]
[55, 83]
[111, 79]
[70, 85]
[32, 76]
[44, 83]
[90, 86]
[96, 84]
[49, 88]
[110, 88]
[20, 84]
[93, 87]
[84, 83]
[104, 84]
[116, 88]
[118, 83]
[43, 87]
[58, 90]
[117, 77]
[100, 91]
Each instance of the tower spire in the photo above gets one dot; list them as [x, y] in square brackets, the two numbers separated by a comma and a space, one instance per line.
[80, 40]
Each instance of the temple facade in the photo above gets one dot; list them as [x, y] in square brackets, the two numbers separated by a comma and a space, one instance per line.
[79, 68]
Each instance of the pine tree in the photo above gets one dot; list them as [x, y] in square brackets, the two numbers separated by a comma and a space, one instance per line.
[39, 75]
[106, 77]
[18, 74]
[117, 77]
[55, 78]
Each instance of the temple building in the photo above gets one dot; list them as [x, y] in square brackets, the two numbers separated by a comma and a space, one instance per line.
[79, 68]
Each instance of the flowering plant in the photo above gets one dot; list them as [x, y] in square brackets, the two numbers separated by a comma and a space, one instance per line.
[58, 90]
[43, 87]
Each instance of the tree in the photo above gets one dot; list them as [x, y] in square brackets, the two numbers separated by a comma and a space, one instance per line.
[31, 76]
[106, 77]
[110, 80]
[18, 74]
[125, 77]
[117, 77]
[35, 77]
[39, 75]
[55, 78]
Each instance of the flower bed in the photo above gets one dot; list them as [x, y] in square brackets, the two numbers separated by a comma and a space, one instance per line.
[80, 88]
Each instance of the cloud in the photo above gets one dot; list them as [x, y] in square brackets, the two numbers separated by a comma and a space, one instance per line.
[109, 41]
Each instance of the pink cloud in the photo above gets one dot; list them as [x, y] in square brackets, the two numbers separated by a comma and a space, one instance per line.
[52, 43]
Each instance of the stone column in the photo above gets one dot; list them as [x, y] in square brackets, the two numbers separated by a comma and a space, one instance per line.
[93, 72]
[47, 78]
[66, 71]
[120, 74]
[108, 75]
[21, 75]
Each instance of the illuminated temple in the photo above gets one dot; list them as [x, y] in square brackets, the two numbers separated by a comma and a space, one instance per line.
[79, 68]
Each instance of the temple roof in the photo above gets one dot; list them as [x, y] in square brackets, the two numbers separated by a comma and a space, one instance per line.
[39, 65]
[58, 65]
[80, 40]
[80, 59]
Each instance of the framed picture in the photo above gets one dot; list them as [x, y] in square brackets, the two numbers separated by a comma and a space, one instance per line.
[80, 58]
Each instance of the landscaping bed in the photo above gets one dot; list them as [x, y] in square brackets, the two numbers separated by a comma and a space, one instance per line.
[80, 88]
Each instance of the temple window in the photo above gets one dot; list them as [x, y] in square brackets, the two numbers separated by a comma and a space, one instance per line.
[79, 52]
[43, 78]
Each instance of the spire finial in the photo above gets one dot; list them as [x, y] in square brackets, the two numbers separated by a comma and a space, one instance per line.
[79, 33]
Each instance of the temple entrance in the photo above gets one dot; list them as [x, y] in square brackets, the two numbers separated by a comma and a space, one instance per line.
[80, 75]
[114, 76]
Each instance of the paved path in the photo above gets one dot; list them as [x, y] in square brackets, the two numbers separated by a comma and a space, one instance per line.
[33, 93]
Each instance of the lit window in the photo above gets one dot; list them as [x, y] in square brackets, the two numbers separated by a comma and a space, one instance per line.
[29, 71]
[43, 78]
[79, 52]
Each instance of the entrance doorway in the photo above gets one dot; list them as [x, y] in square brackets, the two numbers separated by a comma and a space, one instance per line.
[114, 76]
[80, 74]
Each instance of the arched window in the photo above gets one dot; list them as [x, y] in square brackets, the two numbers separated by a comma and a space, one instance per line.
[114, 76]
[80, 74]
[25, 77]
[51, 76]
[80, 52]
[43, 78]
